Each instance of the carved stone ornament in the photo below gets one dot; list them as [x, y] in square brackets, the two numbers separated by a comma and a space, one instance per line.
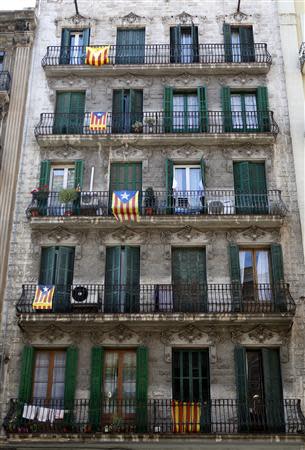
[190, 333]
[60, 234]
[52, 333]
[237, 16]
[96, 336]
[129, 19]
[260, 334]
[130, 79]
[121, 333]
[188, 233]
[183, 18]
[253, 233]
[77, 21]
[125, 233]
[187, 151]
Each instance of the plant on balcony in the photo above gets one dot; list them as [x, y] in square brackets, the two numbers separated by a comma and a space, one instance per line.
[137, 127]
[68, 196]
[40, 193]
[149, 201]
[150, 122]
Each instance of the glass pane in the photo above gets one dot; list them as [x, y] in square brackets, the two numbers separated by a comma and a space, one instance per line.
[251, 111]
[195, 179]
[255, 376]
[129, 375]
[178, 108]
[263, 274]
[236, 54]
[71, 178]
[76, 52]
[237, 121]
[179, 183]
[246, 266]
[192, 108]
[58, 390]
[41, 375]
[111, 375]
[40, 390]
[57, 181]
[186, 47]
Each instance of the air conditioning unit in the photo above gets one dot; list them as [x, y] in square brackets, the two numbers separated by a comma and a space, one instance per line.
[222, 206]
[84, 297]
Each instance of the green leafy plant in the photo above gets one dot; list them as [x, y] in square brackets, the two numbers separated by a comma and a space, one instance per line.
[137, 127]
[68, 195]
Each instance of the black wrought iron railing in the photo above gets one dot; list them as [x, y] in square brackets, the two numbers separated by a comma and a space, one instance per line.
[162, 54]
[302, 55]
[216, 416]
[204, 202]
[5, 81]
[158, 122]
[230, 298]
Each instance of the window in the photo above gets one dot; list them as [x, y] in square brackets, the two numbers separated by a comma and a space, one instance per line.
[130, 48]
[49, 375]
[2, 55]
[127, 109]
[60, 178]
[73, 46]
[244, 111]
[122, 278]
[255, 274]
[250, 186]
[184, 46]
[238, 44]
[187, 189]
[189, 279]
[190, 370]
[56, 268]
[186, 112]
[69, 113]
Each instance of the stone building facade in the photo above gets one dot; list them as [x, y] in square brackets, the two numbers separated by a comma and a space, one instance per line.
[186, 323]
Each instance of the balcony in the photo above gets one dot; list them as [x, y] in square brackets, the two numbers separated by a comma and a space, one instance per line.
[151, 301]
[159, 59]
[154, 417]
[202, 208]
[5, 83]
[208, 127]
[302, 57]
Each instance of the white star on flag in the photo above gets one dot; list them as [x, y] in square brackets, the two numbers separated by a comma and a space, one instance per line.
[45, 289]
[125, 196]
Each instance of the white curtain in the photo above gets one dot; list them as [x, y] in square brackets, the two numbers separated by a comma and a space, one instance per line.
[263, 274]
[236, 55]
[242, 264]
[251, 111]
[192, 108]
[236, 111]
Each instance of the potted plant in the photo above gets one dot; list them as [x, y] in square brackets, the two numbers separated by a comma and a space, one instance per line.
[40, 193]
[117, 424]
[150, 122]
[68, 196]
[137, 127]
[149, 201]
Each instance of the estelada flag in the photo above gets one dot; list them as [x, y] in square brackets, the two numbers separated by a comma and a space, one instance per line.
[186, 417]
[125, 205]
[98, 121]
[43, 297]
[97, 56]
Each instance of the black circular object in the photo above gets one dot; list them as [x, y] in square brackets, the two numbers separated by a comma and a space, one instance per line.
[80, 293]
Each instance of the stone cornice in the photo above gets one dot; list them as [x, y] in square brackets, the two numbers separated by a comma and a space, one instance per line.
[17, 28]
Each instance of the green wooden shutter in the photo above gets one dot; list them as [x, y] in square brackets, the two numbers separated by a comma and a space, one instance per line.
[63, 278]
[141, 389]
[247, 44]
[235, 276]
[96, 385]
[77, 112]
[263, 108]
[70, 382]
[64, 57]
[47, 265]
[79, 173]
[195, 42]
[117, 111]
[175, 44]
[258, 188]
[62, 110]
[202, 166]
[86, 37]
[279, 290]
[113, 279]
[242, 186]
[227, 42]
[226, 108]
[168, 109]
[169, 175]
[26, 374]
[44, 181]
[203, 109]
[136, 106]
[240, 357]
[273, 390]
[132, 279]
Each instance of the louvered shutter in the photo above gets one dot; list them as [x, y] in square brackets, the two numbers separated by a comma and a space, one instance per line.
[235, 277]
[117, 111]
[258, 188]
[168, 109]
[44, 183]
[227, 42]
[242, 186]
[64, 57]
[273, 391]
[132, 279]
[279, 290]
[26, 374]
[79, 174]
[47, 265]
[195, 43]
[136, 106]
[175, 44]
[203, 109]
[63, 278]
[70, 382]
[77, 113]
[141, 389]
[263, 108]
[226, 108]
[247, 44]
[240, 358]
[96, 386]
[169, 175]
[62, 112]
[113, 280]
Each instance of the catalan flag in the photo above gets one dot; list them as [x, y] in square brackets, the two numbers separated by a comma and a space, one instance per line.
[97, 56]
[98, 121]
[186, 417]
[125, 205]
[43, 297]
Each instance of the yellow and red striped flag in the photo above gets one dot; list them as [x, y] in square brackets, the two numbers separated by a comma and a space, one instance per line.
[98, 121]
[97, 56]
[186, 417]
[43, 297]
[125, 205]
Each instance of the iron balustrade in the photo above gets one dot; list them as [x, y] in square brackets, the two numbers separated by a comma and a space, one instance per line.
[158, 122]
[202, 202]
[5, 81]
[163, 54]
[195, 298]
[160, 416]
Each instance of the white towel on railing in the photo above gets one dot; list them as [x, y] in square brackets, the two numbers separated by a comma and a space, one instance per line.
[29, 412]
[59, 413]
[43, 414]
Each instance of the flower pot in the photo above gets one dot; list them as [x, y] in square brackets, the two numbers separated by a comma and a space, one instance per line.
[149, 211]
[34, 212]
[68, 213]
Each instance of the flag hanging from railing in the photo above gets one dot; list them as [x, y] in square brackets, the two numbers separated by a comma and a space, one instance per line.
[125, 205]
[97, 56]
[186, 417]
[43, 297]
[98, 121]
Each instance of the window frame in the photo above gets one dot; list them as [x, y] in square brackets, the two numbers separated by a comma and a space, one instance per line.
[50, 383]
[243, 117]
[65, 168]
[187, 121]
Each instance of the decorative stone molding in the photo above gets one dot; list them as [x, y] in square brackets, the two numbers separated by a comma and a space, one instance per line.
[71, 82]
[121, 333]
[183, 18]
[130, 79]
[260, 335]
[237, 17]
[51, 333]
[184, 79]
[130, 19]
[253, 234]
[76, 22]
[96, 336]
[187, 234]
[122, 234]
[59, 235]
[187, 151]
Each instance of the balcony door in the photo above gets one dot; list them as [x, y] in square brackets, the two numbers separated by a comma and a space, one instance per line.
[250, 187]
[69, 113]
[56, 268]
[244, 111]
[238, 44]
[122, 279]
[188, 193]
[184, 47]
[127, 111]
[73, 46]
[185, 112]
[259, 390]
[61, 177]
[189, 279]
[49, 376]
[130, 46]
